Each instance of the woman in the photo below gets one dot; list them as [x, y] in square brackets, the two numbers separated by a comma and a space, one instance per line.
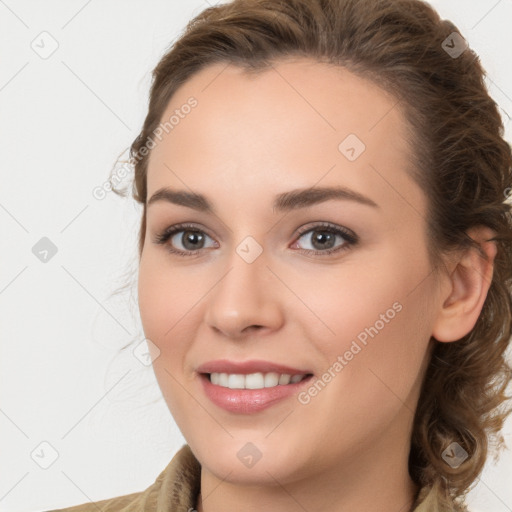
[325, 259]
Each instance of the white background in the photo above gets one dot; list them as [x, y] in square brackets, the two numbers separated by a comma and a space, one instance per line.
[63, 122]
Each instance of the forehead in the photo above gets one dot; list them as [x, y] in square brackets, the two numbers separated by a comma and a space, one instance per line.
[290, 123]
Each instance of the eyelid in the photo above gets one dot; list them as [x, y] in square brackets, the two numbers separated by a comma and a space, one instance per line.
[348, 233]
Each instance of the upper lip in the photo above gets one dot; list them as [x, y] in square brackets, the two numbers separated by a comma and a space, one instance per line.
[247, 367]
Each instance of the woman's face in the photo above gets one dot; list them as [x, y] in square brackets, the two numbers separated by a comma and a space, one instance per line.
[335, 285]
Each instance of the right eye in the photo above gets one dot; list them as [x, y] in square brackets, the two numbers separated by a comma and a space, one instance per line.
[188, 236]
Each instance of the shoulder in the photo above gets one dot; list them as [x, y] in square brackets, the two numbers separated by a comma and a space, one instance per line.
[176, 487]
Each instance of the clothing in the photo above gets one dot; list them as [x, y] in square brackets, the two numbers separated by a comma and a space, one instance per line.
[177, 488]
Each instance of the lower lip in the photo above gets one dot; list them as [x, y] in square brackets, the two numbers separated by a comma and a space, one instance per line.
[247, 401]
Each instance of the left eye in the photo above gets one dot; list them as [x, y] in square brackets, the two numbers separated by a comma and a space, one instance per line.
[323, 239]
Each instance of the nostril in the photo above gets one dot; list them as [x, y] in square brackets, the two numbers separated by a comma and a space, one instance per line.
[253, 327]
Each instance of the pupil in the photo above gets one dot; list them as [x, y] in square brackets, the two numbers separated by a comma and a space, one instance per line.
[323, 238]
[191, 237]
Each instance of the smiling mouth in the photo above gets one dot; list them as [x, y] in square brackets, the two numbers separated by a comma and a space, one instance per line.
[256, 380]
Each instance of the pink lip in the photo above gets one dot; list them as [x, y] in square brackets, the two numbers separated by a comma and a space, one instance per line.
[247, 401]
[246, 367]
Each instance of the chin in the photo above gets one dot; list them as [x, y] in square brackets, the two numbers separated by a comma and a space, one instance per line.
[244, 462]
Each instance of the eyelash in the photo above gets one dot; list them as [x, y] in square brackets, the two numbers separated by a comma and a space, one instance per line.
[350, 238]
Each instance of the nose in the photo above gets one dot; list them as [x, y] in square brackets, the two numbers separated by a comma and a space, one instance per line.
[245, 300]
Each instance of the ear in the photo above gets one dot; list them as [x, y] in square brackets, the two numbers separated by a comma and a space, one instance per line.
[466, 288]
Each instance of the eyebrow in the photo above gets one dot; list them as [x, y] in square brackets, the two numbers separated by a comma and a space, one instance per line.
[284, 202]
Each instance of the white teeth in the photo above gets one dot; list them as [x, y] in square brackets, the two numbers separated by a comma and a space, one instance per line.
[271, 380]
[253, 380]
[236, 381]
[284, 379]
[223, 379]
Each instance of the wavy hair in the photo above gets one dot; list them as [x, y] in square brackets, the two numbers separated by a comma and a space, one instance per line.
[461, 160]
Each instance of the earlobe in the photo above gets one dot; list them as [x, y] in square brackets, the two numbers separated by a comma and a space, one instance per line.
[469, 284]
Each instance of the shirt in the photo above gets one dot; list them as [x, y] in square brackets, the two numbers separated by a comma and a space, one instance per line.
[177, 488]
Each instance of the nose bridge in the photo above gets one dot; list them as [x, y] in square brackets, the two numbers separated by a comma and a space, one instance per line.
[244, 296]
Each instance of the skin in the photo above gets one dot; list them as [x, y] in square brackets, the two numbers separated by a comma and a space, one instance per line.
[249, 139]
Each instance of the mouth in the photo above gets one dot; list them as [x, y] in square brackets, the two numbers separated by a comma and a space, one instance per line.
[253, 392]
[257, 380]
[250, 386]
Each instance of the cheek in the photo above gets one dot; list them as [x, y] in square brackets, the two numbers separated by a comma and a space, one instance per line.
[165, 303]
[371, 386]
[171, 310]
[154, 301]
[379, 292]
[165, 297]
[358, 300]
[375, 316]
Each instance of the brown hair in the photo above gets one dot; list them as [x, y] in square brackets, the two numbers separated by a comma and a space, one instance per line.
[461, 160]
